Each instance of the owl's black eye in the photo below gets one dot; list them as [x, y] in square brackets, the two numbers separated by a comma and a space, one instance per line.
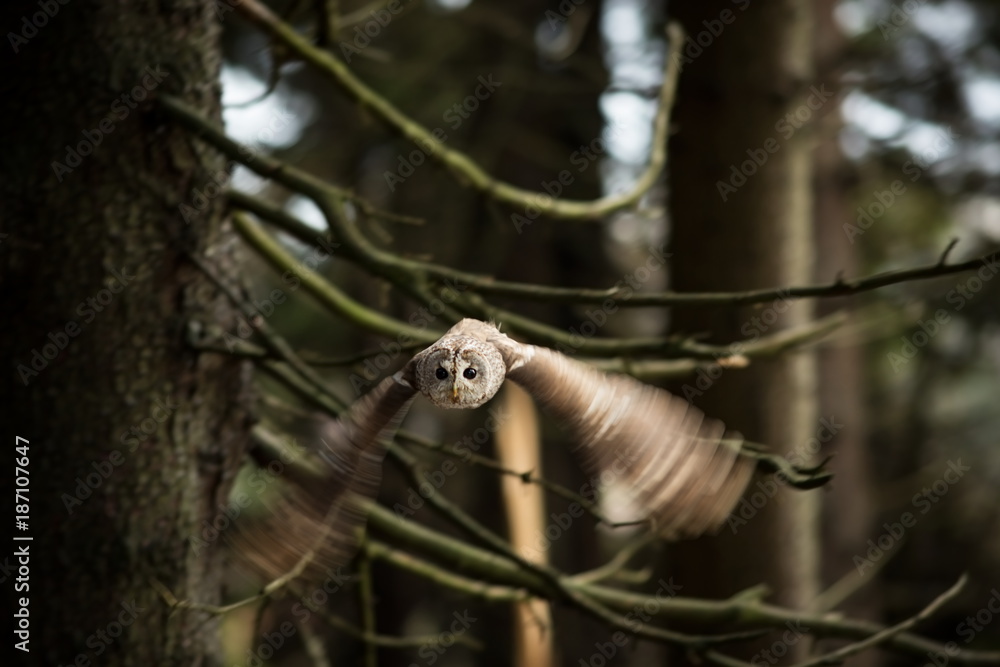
[441, 373]
[469, 373]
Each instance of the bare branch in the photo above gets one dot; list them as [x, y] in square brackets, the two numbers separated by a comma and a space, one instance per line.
[466, 171]
[883, 636]
[745, 611]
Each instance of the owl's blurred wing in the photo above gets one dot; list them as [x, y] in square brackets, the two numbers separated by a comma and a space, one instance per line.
[657, 446]
[315, 521]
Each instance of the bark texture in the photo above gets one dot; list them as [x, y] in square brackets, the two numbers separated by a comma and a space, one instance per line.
[134, 436]
[740, 182]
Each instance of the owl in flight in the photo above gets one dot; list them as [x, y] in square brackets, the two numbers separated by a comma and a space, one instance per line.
[665, 452]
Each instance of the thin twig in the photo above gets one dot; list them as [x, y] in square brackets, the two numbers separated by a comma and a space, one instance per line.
[796, 476]
[744, 609]
[267, 591]
[324, 291]
[838, 656]
[386, 641]
[839, 287]
[583, 602]
[443, 577]
[942, 261]
[528, 477]
[614, 566]
[851, 583]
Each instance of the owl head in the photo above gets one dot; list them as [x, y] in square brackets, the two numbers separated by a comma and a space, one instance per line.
[460, 372]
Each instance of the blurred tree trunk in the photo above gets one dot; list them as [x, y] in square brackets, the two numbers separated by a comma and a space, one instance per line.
[134, 437]
[847, 512]
[740, 183]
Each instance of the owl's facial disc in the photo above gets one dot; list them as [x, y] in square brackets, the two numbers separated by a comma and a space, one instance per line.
[459, 375]
[465, 382]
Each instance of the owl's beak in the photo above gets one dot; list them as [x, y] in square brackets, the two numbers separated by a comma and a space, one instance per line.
[454, 393]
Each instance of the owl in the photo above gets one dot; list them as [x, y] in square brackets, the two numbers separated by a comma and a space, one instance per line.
[678, 466]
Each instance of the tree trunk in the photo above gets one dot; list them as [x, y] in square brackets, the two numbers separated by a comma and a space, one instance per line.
[133, 437]
[848, 504]
[740, 181]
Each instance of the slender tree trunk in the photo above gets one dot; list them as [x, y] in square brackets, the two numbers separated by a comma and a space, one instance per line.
[519, 447]
[740, 181]
[134, 437]
[847, 515]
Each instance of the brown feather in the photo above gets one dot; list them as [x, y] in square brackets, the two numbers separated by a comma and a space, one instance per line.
[315, 521]
[659, 447]
[679, 466]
